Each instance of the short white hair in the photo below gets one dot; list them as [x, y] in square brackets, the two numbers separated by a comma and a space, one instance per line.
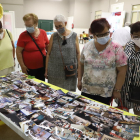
[60, 18]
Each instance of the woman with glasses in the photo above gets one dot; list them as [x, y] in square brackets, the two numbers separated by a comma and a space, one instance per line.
[132, 50]
[103, 65]
[29, 56]
[7, 52]
[63, 50]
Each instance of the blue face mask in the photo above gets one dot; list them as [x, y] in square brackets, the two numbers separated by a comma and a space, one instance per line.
[30, 29]
[103, 40]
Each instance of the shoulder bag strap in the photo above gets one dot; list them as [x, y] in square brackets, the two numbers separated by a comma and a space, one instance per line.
[35, 43]
[60, 51]
[8, 34]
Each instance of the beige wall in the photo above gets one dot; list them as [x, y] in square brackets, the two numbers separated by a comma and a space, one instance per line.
[127, 6]
[46, 9]
[17, 6]
[71, 8]
[82, 14]
[105, 5]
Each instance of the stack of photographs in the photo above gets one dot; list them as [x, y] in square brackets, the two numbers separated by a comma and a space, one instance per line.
[48, 114]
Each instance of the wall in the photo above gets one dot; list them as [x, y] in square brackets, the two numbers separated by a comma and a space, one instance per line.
[71, 8]
[82, 14]
[127, 6]
[45, 9]
[17, 6]
[97, 5]
[105, 5]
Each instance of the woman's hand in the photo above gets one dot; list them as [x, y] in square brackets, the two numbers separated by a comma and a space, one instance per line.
[46, 74]
[116, 95]
[79, 85]
[25, 69]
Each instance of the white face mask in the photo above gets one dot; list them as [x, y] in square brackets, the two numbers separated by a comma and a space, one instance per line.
[137, 42]
[1, 35]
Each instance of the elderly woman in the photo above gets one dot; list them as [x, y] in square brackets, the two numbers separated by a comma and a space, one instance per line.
[63, 50]
[7, 51]
[132, 51]
[100, 59]
[28, 54]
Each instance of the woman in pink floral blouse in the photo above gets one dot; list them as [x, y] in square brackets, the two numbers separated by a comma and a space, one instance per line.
[103, 65]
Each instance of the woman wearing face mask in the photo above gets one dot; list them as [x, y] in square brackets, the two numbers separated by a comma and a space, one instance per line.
[100, 59]
[63, 43]
[132, 51]
[7, 52]
[28, 54]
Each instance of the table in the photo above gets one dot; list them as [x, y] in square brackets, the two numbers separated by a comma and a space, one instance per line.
[17, 129]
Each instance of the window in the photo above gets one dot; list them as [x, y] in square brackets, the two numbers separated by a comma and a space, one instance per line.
[98, 14]
[135, 13]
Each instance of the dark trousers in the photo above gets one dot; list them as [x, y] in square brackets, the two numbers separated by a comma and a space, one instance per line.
[38, 73]
[97, 98]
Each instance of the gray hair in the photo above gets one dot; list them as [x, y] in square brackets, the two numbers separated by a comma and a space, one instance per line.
[60, 18]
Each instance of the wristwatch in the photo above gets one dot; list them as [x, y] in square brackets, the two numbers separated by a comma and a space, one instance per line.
[117, 90]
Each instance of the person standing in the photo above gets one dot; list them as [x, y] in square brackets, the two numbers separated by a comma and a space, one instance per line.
[100, 59]
[122, 35]
[63, 50]
[28, 54]
[132, 51]
[7, 51]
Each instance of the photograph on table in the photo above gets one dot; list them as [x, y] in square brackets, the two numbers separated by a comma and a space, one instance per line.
[105, 137]
[28, 110]
[130, 120]
[61, 122]
[6, 80]
[85, 100]
[39, 117]
[47, 124]
[120, 135]
[64, 99]
[30, 94]
[13, 107]
[127, 129]
[31, 82]
[38, 133]
[21, 116]
[14, 93]
[112, 115]
[18, 83]
[77, 120]
[73, 95]
[43, 86]
[57, 94]
[54, 137]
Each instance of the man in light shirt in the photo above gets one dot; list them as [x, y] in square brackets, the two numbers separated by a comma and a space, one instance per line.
[122, 35]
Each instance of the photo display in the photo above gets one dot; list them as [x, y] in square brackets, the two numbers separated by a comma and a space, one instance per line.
[49, 114]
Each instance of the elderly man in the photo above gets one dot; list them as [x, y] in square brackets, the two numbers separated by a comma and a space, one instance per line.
[122, 35]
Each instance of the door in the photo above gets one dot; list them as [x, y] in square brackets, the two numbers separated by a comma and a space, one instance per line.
[46, 25]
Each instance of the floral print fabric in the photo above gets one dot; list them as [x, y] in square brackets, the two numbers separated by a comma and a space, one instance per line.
[99, 76]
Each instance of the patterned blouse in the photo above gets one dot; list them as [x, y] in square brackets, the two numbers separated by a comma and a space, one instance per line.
[99, 76]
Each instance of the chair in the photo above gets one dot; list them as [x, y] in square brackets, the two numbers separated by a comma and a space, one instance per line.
[81, 38]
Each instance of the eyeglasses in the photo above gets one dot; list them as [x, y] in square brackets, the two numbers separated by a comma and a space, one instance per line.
[102, 35]
[136, 37]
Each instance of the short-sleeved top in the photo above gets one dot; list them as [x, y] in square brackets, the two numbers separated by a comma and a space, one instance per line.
[31, 55]
[6, 52]
[99, 76]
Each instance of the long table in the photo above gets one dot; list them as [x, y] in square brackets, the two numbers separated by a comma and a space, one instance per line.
[18, 130]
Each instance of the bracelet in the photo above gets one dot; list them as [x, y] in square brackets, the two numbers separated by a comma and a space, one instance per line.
[117, 90]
